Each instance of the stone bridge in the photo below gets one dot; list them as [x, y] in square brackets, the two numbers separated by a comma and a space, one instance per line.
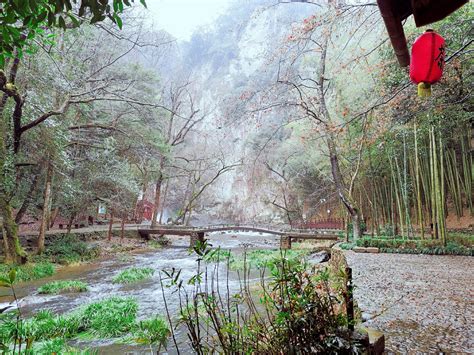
[198, 233]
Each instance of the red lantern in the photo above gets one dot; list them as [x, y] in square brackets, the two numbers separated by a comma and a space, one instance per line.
[427, 61]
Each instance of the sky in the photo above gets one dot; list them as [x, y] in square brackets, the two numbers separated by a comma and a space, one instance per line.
[182, 17]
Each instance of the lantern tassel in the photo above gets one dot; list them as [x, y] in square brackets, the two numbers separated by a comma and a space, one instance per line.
[424, 89]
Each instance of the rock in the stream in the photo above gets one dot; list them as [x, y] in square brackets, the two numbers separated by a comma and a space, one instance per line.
[366, 316]
[318, 258]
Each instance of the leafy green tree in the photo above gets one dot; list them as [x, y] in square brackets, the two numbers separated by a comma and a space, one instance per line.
[56, 106]
[21, 21]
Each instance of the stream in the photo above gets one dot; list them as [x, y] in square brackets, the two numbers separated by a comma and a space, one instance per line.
[148, 293]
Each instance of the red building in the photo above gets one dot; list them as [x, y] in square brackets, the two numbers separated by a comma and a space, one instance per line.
[144, 210]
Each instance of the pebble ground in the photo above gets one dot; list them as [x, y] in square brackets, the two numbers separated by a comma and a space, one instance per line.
[424, 304]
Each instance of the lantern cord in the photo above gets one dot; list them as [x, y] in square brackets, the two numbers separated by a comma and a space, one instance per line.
[424, 89]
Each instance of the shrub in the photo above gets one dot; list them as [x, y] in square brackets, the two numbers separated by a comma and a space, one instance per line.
[269, 259]
[159, 243]
[69, 249]
[218, 255]
[419, 246]
[362, 226]
[133, 274]
[347, 246]
[387, 230]
[299, 312]
[55, 346]
[153, 331]
[63, 286]
[464, 239]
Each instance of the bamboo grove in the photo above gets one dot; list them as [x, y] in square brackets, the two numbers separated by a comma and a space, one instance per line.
[419, 171]
[418, 178]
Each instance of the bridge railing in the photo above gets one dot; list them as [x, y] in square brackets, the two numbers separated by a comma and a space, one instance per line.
[216, 226]
[268, 227]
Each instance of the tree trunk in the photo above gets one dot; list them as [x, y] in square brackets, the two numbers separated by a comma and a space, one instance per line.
[109, 234]
[341, 187]
[14, 253]
[342, 190]
[122, 230]
[162, 206]
[156, 207]
[69, 224]
[53, 217]
[141, 208]
[187, 216]
[26, 202]
[356, 226]
[346, 227]
[46, 207]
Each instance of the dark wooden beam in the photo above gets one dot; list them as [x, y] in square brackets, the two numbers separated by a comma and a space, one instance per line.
[425, 12]
[393, 23]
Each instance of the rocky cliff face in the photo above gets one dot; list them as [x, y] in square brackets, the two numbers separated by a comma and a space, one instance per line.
[233, 57]
[237, 57]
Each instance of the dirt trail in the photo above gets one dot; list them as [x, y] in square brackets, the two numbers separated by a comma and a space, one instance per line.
[428, 300]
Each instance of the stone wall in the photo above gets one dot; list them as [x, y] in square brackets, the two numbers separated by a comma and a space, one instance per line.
[338, 259]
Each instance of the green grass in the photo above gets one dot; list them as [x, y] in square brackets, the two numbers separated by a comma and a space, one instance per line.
[108, 318]
[59, 346]
[133, 274]
[63, 286]
[28, 272]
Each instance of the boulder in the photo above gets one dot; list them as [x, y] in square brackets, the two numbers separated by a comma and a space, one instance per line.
[320, 257]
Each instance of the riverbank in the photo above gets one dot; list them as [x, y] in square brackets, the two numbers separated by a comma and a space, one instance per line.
[75, 250]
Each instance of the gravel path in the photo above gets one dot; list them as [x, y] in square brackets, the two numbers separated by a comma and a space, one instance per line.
[423, 303]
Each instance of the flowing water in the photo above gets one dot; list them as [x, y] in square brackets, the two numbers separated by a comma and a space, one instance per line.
[148, 293]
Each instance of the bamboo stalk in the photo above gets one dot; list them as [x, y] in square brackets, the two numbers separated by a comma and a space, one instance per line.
[426, 184]
[433, 185]
[406, 200]
[418, 187]
[467, 171]
[453, 183]
[442, 209]
[458, 181]
[397, 197]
